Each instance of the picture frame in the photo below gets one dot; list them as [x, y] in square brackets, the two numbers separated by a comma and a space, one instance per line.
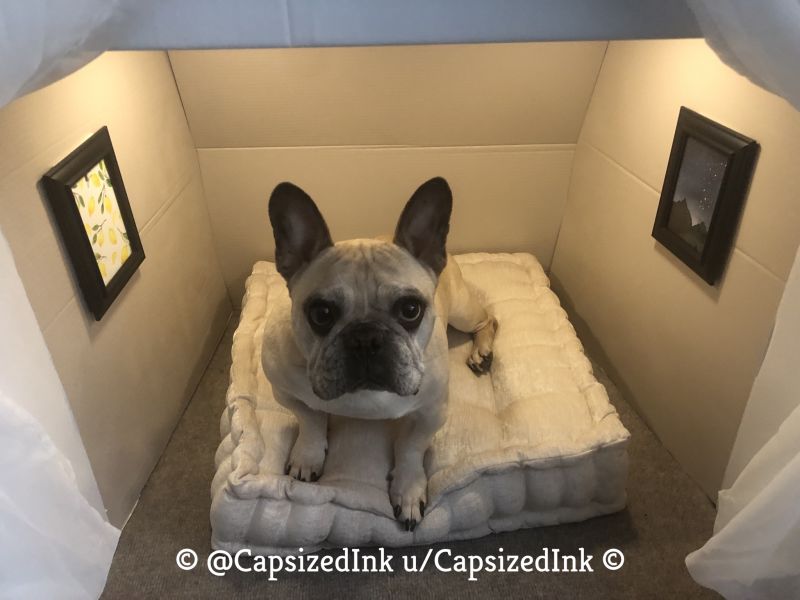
[706, 182]
[87, 198]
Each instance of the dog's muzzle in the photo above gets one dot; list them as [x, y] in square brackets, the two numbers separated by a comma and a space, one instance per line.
[368, 355]
[368, 361]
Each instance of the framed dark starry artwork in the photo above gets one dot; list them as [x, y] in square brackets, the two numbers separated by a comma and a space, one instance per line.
[707, 179]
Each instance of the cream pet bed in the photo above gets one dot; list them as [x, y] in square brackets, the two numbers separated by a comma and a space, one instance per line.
[537, 443]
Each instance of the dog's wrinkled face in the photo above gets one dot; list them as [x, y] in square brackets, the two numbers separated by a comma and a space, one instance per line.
[362, 310]
[362, 316]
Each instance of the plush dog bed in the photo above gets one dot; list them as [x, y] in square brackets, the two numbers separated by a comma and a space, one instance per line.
[535, 443]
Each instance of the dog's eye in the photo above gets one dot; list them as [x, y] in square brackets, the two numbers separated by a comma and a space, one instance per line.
[322, 315]
[409, 312]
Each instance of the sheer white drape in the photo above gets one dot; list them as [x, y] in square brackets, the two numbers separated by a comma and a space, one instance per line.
[55, 540]
[47, 491]
[44, 40]
[755, 549]
[759, 39]
[54, 543]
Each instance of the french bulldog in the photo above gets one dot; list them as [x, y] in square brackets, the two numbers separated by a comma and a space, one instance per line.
[364, 332]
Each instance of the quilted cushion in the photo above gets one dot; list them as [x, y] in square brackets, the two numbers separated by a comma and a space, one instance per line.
[536, 443]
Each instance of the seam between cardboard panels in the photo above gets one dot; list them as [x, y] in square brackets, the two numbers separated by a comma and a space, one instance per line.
[572, 162]
[199, 172]
[180, 99]
[159, 214]
[633, 175]
[555, 147]
[143, 231]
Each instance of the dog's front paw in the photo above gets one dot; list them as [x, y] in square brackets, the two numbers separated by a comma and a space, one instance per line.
[408, 493]
[307, 458]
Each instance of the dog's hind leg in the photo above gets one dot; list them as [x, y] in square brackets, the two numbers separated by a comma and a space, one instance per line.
[467, 314]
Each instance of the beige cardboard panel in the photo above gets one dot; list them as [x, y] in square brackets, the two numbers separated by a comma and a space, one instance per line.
[633, 114]
[505, 199]
[47, 275]
[42, 261]
[688, 353]
[128, 376]
[449, 95]
[133, 93]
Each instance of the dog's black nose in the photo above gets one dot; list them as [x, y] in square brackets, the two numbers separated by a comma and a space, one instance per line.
[364, 339]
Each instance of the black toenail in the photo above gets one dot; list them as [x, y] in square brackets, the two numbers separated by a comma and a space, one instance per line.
[397, 511]
[314, 476]
[421, 508]
[288, 468]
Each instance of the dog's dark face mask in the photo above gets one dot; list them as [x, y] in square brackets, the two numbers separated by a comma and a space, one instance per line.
[372, 339]
[362, 311]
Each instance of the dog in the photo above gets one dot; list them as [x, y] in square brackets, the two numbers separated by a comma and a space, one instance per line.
[365, 332]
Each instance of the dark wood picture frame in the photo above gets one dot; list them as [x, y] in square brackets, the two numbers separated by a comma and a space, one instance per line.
[57, 185]
[702, 237]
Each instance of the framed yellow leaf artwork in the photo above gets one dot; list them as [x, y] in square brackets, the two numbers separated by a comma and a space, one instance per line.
[91, 209]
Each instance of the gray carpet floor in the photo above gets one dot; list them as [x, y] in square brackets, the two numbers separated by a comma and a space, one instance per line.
[667, 517]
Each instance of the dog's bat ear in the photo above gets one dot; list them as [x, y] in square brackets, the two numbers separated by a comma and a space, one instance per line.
[299, 229]
[424, 223]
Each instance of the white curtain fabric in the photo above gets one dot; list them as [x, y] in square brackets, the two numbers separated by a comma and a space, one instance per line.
[54, 543]
[755, 549]
[760, 39]
[44, 40]
[55, 539]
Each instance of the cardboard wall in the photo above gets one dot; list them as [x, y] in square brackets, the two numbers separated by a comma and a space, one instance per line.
[127, 377]
[687, 353]
[361, 128]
